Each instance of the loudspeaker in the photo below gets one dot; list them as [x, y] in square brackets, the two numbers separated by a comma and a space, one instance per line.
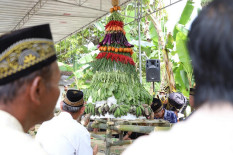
[153, 70]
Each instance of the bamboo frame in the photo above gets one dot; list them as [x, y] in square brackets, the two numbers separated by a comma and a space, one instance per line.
[126, 125]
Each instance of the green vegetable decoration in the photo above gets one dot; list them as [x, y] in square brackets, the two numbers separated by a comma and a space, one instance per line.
[115, 89]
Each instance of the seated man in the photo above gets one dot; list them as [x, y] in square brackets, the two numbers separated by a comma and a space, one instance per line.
[162, 113]
[63, 135]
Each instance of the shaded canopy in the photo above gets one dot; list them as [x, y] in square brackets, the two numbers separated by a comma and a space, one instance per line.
[64, 16]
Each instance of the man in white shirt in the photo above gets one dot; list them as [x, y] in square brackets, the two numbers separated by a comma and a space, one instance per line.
[63, 135]
[28, 74]
[210, 129]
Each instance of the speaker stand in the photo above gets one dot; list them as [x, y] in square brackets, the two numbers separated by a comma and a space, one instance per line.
[153, 89]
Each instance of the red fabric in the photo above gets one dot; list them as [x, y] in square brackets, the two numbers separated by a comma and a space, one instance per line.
[116, 57]
[114, 23]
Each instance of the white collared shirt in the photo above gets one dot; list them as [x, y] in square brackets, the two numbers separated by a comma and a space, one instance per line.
[64, 136]
[13, 140]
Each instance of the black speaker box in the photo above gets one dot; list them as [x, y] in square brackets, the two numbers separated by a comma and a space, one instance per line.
[153, 70]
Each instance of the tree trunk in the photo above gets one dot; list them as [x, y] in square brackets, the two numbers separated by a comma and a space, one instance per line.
[168, 65]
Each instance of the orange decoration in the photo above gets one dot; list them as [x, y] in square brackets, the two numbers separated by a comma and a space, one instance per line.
[111, 10]
[116, 50]
[115, 8]
[120, 49]
[113, 48]
[109, 48]
[120, 29]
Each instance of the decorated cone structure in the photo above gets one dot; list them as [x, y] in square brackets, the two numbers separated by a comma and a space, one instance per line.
[115, 89]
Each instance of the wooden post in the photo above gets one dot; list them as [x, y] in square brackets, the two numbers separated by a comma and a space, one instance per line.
[108, 138]
[121, 135]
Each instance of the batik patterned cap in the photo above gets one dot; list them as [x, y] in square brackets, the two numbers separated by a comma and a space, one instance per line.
[74, 98]
[25, 51]
[176, 100]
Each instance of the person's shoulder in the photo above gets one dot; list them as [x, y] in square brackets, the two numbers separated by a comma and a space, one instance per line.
[170, 113]
[81, 127]
[146, 144]
[156, 142]
[22, 144]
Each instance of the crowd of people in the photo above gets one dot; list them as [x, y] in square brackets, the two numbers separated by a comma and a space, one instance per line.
[29, 77]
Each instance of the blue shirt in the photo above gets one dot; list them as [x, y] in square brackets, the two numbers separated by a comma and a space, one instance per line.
[169, 116]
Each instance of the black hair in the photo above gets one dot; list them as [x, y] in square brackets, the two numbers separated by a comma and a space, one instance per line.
[211, 50]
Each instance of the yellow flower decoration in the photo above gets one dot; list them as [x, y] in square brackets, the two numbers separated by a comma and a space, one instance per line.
[29, 58]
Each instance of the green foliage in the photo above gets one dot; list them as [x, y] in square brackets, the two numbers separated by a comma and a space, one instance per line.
[125, 87]
[64, 67]
[115, 16]
[185, 16]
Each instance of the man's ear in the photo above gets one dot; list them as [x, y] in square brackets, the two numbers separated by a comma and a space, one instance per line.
[61, 103]
[36, 90]
[83, 109]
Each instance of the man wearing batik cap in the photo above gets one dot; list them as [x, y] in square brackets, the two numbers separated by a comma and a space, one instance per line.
[162, 113]
[176, 103]
[63, 135]
[28, 75]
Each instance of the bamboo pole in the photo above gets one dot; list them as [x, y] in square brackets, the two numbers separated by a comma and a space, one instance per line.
[162, 128]
[97, 136]
[154, 121]
[140, 129]
[133, 128]
[120, 143]
[100, 120]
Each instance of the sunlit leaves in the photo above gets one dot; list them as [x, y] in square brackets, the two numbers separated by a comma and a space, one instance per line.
[185, 16]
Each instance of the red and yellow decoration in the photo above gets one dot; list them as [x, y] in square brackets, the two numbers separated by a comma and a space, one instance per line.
[116, 57]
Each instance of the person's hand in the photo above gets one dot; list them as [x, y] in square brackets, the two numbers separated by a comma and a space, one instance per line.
[95, 149]
[151, 117]
[126, 137]
[85, 120]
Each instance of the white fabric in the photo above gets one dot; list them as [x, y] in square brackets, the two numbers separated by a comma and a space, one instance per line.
[13, 140]
[209, 131]
[64, 136]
